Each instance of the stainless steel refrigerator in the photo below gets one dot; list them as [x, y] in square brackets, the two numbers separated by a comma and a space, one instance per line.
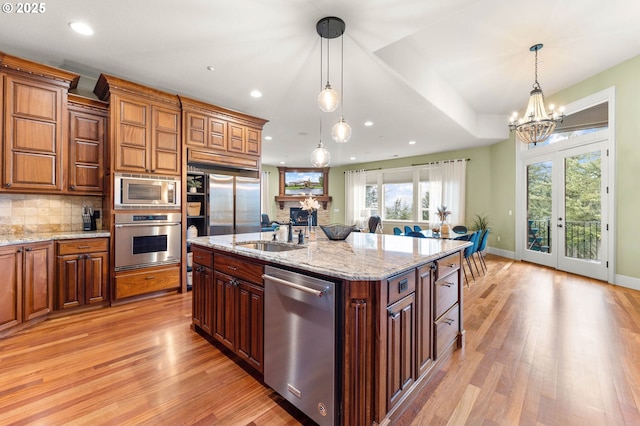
[234, 204]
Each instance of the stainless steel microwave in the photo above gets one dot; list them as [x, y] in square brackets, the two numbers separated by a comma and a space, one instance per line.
[141, 191]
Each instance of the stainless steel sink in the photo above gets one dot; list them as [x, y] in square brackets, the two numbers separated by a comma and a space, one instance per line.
[269, 246]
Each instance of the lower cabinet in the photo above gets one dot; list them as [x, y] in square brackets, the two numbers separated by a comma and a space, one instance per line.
[146, 280]
[401, 343]
[202, 298]
[27, 284]
[82, 272]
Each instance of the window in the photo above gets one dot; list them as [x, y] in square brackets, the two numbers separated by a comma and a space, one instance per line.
[580, 123]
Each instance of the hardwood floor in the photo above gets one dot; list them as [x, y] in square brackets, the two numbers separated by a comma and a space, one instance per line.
[542, 347]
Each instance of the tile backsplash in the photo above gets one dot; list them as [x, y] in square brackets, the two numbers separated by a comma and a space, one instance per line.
[27, 214]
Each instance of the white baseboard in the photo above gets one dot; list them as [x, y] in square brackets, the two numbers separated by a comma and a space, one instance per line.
[628, 282]
[499, 252]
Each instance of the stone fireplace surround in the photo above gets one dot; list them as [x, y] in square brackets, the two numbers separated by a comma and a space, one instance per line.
[283, 215]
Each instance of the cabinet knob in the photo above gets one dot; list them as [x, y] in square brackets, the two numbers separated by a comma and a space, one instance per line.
[72, 188]
[28, 249]
[7, 185]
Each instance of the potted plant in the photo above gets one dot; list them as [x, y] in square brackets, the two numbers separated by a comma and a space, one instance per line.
[193, 184]
[442, 214]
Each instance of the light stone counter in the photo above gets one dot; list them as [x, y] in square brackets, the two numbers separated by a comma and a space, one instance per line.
[362, 256]
[6, 240]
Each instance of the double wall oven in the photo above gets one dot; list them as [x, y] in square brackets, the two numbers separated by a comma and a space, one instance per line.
[146, 232]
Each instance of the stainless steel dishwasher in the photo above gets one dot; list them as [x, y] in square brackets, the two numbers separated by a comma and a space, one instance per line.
[299, 342]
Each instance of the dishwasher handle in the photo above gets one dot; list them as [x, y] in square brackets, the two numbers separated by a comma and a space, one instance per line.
[313, 291]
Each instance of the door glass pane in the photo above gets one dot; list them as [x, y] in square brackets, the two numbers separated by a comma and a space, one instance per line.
[539, 207]
[583, 214]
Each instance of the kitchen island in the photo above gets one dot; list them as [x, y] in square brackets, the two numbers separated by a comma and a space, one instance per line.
[399, 309]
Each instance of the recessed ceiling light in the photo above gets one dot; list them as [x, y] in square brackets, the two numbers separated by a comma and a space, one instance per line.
[282, 162]
[268, 138]
[211, 68]
[352, 158]
[81, 28]
[412, 142]
[368, 123]
[256, 94]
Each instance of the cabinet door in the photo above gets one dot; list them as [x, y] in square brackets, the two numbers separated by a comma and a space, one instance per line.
[70, 281]
[132, 143]
[253, 141]
[32, 134]
[38, 279]
[424, 353]
[237, 138]
[96, 278]
[86, 151]
[196, 129]
[250, 329]
[165, 154]
[10, 286]
[202, 294]
[224, 309]
[400, 348]
[217, 134]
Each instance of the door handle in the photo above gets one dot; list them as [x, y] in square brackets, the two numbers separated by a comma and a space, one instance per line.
[559, 225]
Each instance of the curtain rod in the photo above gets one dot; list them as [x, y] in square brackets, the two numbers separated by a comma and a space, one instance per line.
[362, 170]
[443, 161]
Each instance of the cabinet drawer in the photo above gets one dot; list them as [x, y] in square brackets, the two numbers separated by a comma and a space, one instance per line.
[401, 286]
[87, 245]
[202, 256]
[448, 264]
[446, 329]
[445, 292]
[239, 268]
[146, 281]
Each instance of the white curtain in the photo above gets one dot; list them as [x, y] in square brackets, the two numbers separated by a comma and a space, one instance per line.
[454, 175]
[355, 182]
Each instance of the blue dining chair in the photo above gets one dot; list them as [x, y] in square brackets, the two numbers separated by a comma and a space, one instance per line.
[397, 231]
[468, 254]
[482, 245]
[417, 228]
[415, 234]
[407, 229]
[460, 229]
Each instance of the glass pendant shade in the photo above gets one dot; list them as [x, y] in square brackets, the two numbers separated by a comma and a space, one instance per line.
[341, 131]
[320, 157]
[328, 99]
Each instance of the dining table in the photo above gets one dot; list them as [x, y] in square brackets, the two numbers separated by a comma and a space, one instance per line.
[445, 236]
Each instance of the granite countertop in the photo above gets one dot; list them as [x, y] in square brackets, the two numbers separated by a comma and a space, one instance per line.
[6, 240]
[362, 256]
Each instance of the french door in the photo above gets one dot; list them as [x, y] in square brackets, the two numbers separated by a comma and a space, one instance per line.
[564, 220]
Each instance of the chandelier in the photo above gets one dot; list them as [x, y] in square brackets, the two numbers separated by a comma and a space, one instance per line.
[537, 124]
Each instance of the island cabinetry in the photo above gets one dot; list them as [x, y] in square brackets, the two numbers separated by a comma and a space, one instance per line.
[144, 126]
[202, 289]
[401, 336]
[34, 128]
[27, 284]
[87, 144]
[447, 295]
[217, 136]
[82, 272]
[424, 318]
[238, 319]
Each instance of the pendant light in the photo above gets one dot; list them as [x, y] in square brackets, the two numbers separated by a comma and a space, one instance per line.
[537, 124]
[341, 131]
[320, 157]
[328, 28]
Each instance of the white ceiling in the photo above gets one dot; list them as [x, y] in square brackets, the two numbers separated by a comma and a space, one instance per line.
[445, 74]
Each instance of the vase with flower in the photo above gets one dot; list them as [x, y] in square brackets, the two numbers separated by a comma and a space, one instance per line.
[443, 213]
[310, 204]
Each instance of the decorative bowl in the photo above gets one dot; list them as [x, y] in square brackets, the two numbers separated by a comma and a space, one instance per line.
[337, 231]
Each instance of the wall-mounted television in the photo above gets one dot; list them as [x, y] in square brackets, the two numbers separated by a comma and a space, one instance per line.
[303, 181]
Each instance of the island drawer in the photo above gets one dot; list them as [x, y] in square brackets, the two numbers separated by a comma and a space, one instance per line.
[448, 264]
[85, 245]
[446, 330]
[202, 256]
[445, 292]
[239, 268]
[400, 286]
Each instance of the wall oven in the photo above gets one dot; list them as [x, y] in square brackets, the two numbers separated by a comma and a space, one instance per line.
[141, 191]
[146, 239]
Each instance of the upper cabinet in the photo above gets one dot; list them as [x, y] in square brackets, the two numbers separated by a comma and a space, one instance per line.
[34, 127]
[145, 127]
[87, 142]
[221, 137]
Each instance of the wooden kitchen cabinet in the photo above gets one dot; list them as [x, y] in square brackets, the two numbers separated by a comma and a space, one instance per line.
[145, 127]
[424, 319]
[26, 290]
[214, 135]
[82, 272]
[87, 145]
[447, 294]
[203, 290]
[238, 308]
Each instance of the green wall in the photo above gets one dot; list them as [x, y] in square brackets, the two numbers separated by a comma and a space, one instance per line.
[491, 171]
